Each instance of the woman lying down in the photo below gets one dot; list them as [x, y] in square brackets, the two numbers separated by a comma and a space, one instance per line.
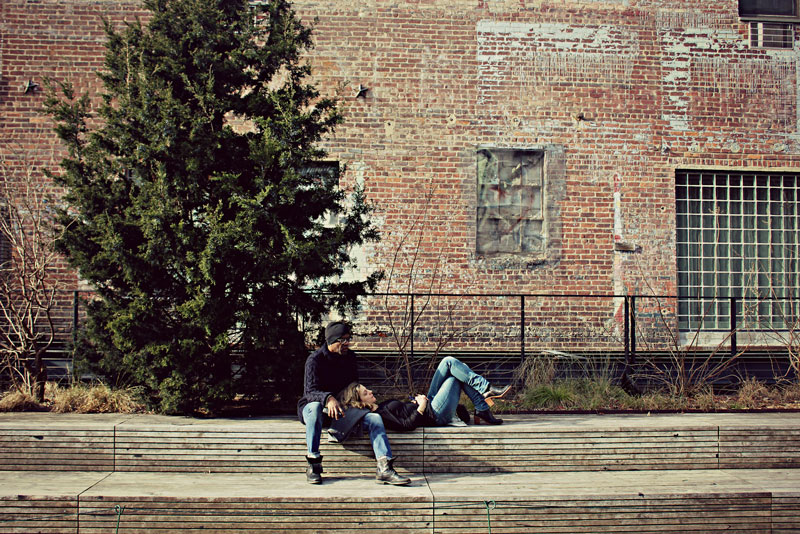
[440, 406]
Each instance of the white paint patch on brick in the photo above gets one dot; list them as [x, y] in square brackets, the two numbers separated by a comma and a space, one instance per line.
[560, 36]
[695, 18]
[516, 60]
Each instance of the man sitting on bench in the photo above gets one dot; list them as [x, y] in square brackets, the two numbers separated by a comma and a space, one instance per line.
[328, 370]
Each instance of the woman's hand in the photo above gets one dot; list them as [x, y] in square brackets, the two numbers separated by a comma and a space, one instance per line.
[422, 403]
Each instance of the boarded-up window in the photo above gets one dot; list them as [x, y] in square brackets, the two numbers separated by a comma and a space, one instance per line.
[511, 214]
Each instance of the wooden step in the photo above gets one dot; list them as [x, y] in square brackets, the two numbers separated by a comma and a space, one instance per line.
[707, 501]
[525, 443]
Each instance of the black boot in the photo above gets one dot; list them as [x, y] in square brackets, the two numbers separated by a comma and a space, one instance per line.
[486, 416]
[462, 413]
[314, 470]
[387, 475]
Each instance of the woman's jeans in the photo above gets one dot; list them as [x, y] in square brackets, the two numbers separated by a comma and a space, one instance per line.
[314, 419]
[450, 378]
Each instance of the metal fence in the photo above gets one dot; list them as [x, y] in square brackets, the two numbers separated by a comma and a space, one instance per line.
[495, 326]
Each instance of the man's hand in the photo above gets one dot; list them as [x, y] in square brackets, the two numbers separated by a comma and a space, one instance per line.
[335, 409]
[422, 402]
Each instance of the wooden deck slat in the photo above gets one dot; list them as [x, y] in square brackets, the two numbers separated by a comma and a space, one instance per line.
[636, 502]
[268, 445]
[687, 514]
[140, 515]
[46, 515]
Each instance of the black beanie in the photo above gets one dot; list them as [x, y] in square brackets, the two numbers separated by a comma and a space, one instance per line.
[334, 331]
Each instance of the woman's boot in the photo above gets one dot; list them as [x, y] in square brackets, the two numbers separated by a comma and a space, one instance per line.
[486, 416]
[314, 470]
[387, 475]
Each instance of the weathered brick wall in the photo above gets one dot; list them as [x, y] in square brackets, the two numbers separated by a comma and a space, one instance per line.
[627, 90]
[39, 41]
[630, 90]
[60, 41]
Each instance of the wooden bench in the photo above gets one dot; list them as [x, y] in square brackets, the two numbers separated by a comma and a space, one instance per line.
[45, 442]
[277, 445]
[526, 448]
[708, 501]
[548, 474]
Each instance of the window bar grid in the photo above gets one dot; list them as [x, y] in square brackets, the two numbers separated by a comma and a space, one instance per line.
[737, 235]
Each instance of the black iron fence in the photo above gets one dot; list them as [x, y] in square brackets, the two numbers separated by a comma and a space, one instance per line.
[485, 325]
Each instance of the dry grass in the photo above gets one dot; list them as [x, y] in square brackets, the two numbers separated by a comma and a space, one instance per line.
[17, 401]
[78, 398]
[790, 393]
[542, 387]
[580, 395]
[95, 398]
[542, 391]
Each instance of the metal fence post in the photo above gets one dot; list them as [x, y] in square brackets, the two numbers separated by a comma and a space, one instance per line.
[412, 326]
[626, 329]
[633, 328]
[74, 317]
[522, 326]
[733, 327]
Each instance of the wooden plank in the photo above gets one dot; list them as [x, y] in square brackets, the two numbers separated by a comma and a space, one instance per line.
[742, 513]
[272, 445]
[78, 449]
[204, 452]
[236, 515]
[759, 447]
[679, 502]
[495, 451]
[46, 515]
[786, 514]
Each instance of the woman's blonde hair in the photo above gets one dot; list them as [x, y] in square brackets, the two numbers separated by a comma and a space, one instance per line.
[351, 396]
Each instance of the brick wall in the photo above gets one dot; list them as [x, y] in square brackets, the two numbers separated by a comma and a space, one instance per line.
[629, 90]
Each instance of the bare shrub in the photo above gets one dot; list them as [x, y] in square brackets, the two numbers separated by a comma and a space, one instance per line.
[29, 289]
[428, 313]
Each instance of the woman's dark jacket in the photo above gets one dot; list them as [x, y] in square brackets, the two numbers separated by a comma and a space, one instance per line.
[399, 415]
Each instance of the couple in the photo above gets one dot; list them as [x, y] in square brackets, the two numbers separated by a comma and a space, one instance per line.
[333, 369]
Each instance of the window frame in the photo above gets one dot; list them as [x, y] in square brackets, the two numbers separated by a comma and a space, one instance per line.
[768, 17]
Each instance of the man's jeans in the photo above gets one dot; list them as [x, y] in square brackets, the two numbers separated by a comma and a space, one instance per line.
[450, 377]
[314, 419]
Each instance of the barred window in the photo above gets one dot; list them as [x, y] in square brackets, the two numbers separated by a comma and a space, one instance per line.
[738, 235]
[771, 35]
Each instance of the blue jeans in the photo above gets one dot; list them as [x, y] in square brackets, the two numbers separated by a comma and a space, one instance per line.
[450, 378]
[372, 423]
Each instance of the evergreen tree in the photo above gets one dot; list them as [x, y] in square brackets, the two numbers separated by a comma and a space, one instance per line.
[203, 241]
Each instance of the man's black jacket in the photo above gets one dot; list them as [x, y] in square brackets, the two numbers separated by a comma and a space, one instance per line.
[327, 373]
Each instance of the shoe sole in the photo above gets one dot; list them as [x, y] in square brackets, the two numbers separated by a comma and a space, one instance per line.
[490, 400]
[485, 422]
